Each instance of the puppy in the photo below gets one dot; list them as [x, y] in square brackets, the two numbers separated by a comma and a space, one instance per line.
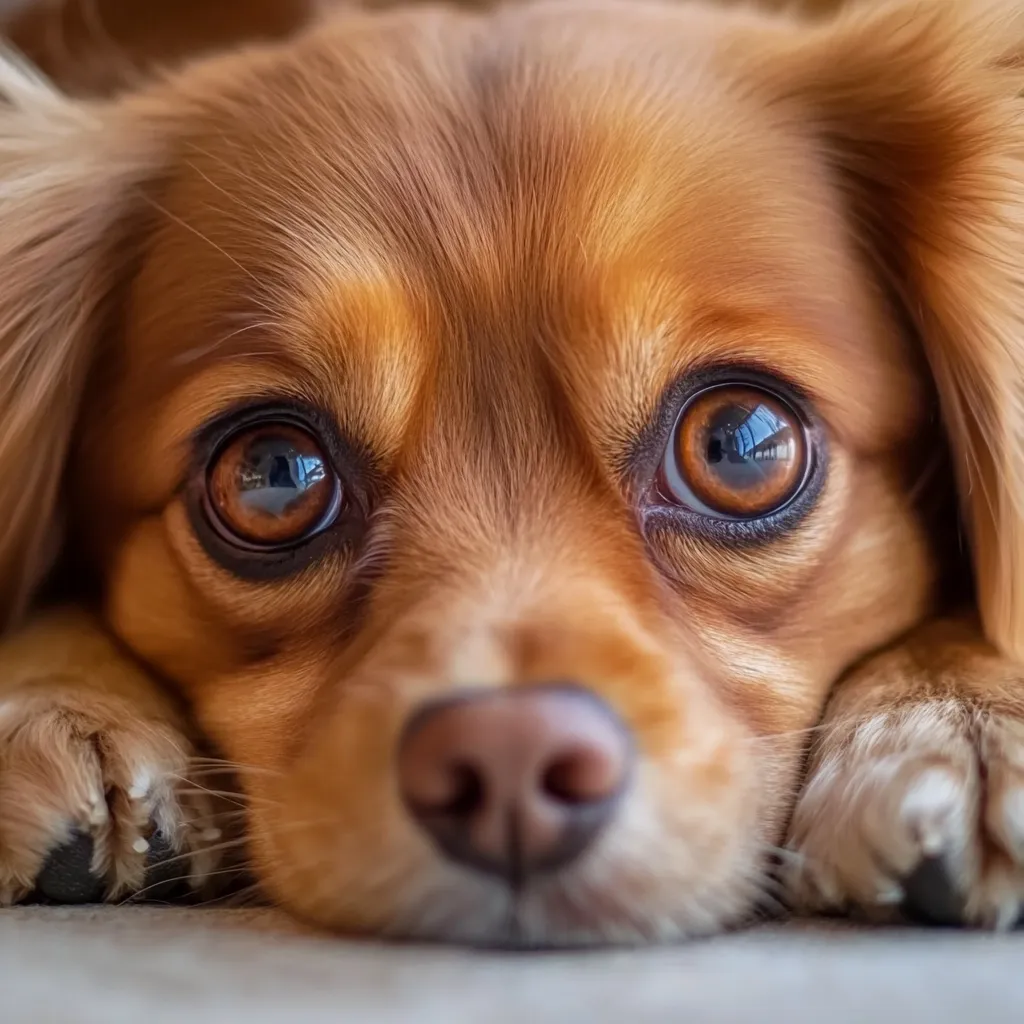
[539, 450]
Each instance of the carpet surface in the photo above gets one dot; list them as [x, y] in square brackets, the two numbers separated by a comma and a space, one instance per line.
[149, 965]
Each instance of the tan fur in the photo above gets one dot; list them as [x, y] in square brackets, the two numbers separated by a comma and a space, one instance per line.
[485, 244]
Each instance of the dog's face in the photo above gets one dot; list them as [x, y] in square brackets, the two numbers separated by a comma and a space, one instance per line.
[507, 428]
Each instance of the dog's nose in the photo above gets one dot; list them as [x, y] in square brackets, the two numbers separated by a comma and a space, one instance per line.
[515, 782]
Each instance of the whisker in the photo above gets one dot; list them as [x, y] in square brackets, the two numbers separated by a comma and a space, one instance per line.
[234, 766]
[192, 354]
[190, 787]
[171, 216]
[228, 844]
[235, 814]
[822, 729]
[135, 896]
[239, 804]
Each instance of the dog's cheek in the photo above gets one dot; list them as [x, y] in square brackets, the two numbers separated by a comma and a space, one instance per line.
[251, 703]
[153, 606]
[331, 839]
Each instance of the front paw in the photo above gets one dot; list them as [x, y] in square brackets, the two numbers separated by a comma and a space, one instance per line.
[920, 809]
[92, 793]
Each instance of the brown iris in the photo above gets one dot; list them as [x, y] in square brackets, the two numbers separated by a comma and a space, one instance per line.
[271, 486]
[737, 452]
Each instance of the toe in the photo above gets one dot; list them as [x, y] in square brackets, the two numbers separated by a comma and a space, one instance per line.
[67, 874]
[931, 896]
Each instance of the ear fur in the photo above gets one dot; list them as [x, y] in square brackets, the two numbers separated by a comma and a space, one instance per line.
[68, 172]
[918, 106]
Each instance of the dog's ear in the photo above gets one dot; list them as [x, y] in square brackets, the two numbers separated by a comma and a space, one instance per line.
[918, 107]
[69, 172]
[99, 47]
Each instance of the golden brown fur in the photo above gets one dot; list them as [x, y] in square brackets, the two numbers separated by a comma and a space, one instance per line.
[487, 246]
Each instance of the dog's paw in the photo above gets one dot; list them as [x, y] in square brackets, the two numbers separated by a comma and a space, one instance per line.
[917, 810]
[92, 796]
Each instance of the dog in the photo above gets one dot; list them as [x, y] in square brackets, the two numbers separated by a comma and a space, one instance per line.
[563, 458]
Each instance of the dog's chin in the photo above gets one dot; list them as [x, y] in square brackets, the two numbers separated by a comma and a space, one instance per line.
[603, 901]
[563, 913]
[563, 916]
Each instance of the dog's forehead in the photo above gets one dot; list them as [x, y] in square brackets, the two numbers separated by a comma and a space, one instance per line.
[491, 203]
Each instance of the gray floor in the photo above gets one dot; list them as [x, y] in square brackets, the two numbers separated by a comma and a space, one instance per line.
[150, 966]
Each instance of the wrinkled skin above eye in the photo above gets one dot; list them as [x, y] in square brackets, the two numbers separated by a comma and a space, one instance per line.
[737, 452]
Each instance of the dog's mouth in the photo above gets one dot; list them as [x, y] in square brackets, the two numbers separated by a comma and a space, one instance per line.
[569, 911]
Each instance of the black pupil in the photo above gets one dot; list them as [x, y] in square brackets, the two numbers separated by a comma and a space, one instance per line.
[748, 445]
[276, 475]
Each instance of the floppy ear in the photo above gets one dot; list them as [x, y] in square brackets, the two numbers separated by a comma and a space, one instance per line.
[68, 173]
[918, 107]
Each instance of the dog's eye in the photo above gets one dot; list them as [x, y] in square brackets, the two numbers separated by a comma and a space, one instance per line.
[271, 486]
[737, 452]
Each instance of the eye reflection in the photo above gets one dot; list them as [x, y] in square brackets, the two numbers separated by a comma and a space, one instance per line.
[272, 478]
[272, 485]
[737, 452]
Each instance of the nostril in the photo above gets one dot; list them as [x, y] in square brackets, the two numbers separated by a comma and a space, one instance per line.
[582, 776]
[453, 789]
[466, 792]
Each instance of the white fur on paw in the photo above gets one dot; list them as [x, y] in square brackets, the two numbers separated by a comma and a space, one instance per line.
[933, 782]
[69, 767]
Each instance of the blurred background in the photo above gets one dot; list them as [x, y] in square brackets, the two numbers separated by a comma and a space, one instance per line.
[83, 43]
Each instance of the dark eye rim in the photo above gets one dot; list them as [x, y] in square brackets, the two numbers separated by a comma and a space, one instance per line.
[661, 516]
[343, 525]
